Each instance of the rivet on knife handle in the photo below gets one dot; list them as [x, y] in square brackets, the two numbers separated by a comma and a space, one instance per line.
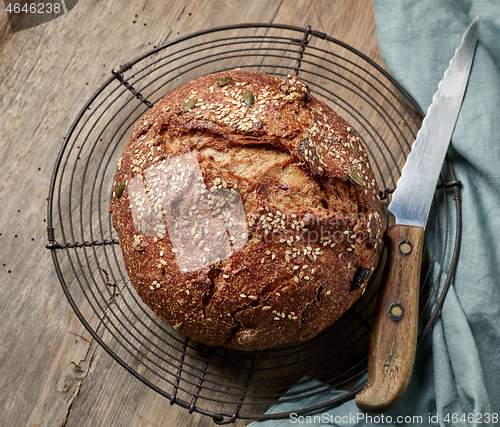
[394, 335]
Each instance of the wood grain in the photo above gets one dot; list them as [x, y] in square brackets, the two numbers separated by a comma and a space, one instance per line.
[51, 370]
[394, 335]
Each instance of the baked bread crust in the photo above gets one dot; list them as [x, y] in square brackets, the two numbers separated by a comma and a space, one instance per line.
[285, 211]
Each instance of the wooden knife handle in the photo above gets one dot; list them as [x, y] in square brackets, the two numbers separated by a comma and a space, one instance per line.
[394, 335]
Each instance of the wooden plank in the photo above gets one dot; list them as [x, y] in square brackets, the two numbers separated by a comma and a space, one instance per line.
[52, 371]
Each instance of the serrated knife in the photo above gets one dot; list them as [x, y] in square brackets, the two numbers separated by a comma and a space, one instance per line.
[394, 334]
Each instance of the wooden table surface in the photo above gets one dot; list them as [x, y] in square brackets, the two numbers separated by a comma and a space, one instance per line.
[51, 370]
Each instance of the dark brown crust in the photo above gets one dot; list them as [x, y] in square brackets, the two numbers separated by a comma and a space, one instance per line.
[312, 232]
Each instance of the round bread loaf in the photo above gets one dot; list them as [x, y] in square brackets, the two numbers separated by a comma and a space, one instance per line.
[247, 212]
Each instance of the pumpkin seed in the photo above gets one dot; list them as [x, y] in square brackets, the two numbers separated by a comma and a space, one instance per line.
[224, 81]
[355, 177]
[248, 98]
[189, 105]
[120, 189]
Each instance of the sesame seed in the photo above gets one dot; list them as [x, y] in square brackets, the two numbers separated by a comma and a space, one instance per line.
[225, 276]
[243, 296]
[276, 318]
[267, 307]
[252, 297]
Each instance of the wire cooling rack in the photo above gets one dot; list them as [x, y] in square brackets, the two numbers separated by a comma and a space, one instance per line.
[224, 384]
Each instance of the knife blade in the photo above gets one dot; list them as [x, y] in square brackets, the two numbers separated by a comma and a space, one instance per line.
[393, 339]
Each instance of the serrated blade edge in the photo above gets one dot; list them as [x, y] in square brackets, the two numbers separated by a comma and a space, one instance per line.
[415, 189]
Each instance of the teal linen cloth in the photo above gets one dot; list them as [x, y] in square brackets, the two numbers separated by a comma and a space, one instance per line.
[457, 368]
